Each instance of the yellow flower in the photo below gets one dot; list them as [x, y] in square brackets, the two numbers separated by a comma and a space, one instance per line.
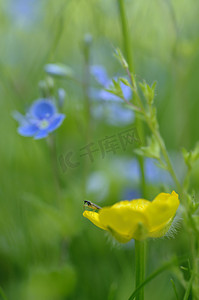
[137, 219]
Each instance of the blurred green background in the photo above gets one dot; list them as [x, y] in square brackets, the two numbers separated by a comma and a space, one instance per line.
[48, 251]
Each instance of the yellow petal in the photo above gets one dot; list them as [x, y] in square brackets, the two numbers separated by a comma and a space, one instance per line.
[94, 218]
[124, 219]
[135, 204]
[121, 238]
[161, 213]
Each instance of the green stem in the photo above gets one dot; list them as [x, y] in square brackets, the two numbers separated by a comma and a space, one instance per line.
[166, 156]
[53, 157]
[139, 267]
[87, 101]
[86, 52]
[159, 139]
[128, 53]
[125, 34]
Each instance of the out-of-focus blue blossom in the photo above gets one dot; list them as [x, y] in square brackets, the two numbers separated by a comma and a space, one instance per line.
[59, 70]
[153, 173]
[61, 97]
[100, 74]
[112, 113]
[23, 12]
[97, 186]
[119, 115]
[129, 194]
[113, 110]
[41, 119]
[130, 170]
[102, 78]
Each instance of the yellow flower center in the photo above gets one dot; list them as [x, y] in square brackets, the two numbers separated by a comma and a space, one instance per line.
[43, 124]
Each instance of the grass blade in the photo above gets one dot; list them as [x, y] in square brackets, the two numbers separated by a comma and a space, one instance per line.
[163, 268]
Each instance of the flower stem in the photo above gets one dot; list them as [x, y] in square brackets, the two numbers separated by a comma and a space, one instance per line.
[87, 101]
[139, 267]
[125, 33]
[53, 156]
[128, 53]
[166, 156]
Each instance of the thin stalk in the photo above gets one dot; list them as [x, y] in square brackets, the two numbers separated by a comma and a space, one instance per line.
[139, 107]
[53, 157]
[86, 80]
[125, 34]
[166, 156]
[128, 53]
[139, 267]
[87, 101]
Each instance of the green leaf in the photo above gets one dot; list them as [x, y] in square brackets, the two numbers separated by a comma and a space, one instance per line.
[118, 54]
[148, 92]
[151, 150]
[174, 288]
[125, 81]
[190, 157]
[186, 296]
[186, 156]
[162, 165]
[115, 89]
[196, 221]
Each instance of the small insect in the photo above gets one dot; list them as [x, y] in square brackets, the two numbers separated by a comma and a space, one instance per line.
[91, 205]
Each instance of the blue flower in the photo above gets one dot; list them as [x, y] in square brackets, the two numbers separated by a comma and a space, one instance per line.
[154, 174]
[129, 169]
[97, 186]
[101, 77]
[131, 193]
[100, 74]
[41, 119]
[114, 111]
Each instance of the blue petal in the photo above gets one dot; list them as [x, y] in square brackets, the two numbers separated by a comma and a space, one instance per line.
[133, 170]
[99, 94]
[130, 193]
[127, 92]
[119, 115]
[41, 134]
[27, 130]
[94, 93]
[154, 174]
[107, 96]
[100, 74]
[42, 109]
[22, 120]
[56, 122]
[59, 70]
